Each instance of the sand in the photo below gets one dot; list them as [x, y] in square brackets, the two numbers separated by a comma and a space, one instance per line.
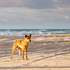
[45, 52]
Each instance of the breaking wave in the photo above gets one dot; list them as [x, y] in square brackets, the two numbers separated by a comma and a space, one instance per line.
[7, 32]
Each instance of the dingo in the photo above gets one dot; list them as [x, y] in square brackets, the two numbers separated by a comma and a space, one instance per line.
[21, 44]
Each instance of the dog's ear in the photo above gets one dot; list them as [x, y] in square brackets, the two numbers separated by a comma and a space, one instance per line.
[25, 35]
[30, 35]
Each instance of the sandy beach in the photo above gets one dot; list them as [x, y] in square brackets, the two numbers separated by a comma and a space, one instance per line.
[45, 52]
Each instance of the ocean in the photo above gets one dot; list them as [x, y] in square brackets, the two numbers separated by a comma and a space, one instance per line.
[11, 32]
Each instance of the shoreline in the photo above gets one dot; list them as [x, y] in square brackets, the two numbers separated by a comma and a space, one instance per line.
[50, 35]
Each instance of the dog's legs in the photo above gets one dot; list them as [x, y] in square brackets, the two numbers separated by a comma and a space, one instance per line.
[19, 51]
[14, 48]
[22, 54]
[26, 53]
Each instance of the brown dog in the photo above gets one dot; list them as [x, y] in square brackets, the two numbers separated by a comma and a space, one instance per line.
[21, 44]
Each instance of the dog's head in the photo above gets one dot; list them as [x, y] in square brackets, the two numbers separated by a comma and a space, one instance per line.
[28, 38]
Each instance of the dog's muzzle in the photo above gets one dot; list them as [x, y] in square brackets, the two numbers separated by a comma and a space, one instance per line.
[30, 40]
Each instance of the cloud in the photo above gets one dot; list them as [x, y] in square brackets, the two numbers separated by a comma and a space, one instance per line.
[67, 17]
[19, 15]
[4, 20]
[38, 5]
[31, 4]
[35, 11]
[55, 1]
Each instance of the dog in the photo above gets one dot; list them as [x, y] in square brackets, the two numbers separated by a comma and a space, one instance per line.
[18, 44]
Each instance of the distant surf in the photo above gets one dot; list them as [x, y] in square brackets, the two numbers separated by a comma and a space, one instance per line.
[10, 32]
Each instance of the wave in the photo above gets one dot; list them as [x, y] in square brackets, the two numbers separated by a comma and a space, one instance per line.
[7, 32]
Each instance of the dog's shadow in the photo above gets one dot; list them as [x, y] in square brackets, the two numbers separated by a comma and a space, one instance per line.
[58, 48]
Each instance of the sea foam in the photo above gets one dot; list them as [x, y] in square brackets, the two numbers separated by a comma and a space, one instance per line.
[9, 32]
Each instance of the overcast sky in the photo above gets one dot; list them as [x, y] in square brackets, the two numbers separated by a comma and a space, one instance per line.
[34, 14]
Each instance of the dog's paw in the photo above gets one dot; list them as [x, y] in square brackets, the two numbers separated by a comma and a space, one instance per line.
[10, 57]
[22, 59]
[27, 59]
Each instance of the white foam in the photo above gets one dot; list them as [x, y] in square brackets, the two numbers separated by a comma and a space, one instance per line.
[33, 32]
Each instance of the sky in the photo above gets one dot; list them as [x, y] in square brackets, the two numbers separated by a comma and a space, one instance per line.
[34, 14]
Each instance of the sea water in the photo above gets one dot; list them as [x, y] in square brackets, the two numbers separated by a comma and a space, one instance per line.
[10, 32]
